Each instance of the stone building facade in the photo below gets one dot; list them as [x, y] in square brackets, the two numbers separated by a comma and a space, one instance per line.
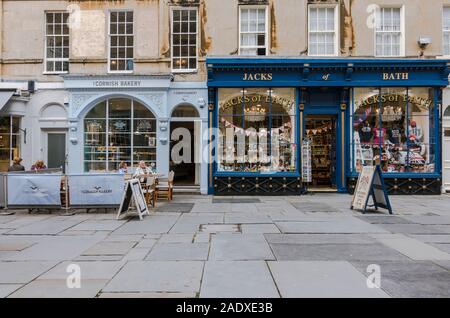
[73, 73]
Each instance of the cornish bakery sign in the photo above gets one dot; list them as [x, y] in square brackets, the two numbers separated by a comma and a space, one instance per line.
[117, 83]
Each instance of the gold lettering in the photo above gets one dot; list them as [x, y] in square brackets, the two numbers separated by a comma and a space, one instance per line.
[257, 77]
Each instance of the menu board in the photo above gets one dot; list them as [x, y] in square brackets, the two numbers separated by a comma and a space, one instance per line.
[133, 192]
[363, 188]
[306, 161]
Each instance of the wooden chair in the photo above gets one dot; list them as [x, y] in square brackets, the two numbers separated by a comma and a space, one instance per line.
[165, 188]
[149, 191]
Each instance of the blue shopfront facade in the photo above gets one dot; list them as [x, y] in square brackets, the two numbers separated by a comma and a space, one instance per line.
[355, 112]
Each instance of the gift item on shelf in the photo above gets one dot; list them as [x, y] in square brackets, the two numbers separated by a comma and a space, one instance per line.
[378, 135]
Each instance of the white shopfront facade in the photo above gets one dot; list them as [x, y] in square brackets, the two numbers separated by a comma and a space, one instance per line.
[128, 118]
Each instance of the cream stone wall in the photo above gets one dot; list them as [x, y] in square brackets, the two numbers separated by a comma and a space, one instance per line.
[22, 28]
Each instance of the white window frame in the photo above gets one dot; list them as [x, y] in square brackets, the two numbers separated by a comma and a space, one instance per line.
[46, 59]
[402, 31]
[336, 27]
[266, 31]
[444, 32]
[109, 42]
[187, 70]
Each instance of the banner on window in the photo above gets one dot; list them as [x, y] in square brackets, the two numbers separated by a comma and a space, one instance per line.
[34, 190]
[96, 189]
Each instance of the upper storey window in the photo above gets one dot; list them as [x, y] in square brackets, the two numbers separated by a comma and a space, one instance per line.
[184, 39]
[389, 32]
[253, 30]
[56, 43]
[322, 35]
[121, 42]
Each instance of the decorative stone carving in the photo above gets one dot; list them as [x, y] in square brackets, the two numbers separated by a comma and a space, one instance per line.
[155, 99]
[78, 101]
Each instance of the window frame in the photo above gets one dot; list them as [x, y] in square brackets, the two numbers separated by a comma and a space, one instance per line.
[46, 36]
[336, 27]
[109, 41]
[266, 29]
[187, 70]
[402, 31]
[446, 7]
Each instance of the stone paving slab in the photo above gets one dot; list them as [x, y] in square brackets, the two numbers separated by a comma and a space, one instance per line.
[22, 272]
[430, 238]
[428, 219]
[150, 225]
[412, 248]
[56, 248]
[384, 219]
[343, 226]
[175, 207]
[411, 278]
[332, 279]
[237, 279]
[319, 239]
[242, 218]
[445, 247]
[46, 227]
[211, 208]
[156, 276]
[98, 225]
[88, 270]
[179, 252]
[416, 228]
[188, 224]
[49, 288]
[337, 252]
[110, 248]
[259, 228]
[176, 238]
[235, 247]
[136, 254]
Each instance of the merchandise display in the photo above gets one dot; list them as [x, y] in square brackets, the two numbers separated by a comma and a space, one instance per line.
[393, 133]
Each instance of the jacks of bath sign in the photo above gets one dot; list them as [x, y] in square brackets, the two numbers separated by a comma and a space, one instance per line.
[370, 183]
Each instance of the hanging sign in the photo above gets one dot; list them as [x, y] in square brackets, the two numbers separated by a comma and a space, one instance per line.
[306, 161]
[133, 191]
[370, 183]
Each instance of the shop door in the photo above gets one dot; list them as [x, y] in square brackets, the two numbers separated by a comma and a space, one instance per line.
[321, 130]
[56, 150]
[185, 171]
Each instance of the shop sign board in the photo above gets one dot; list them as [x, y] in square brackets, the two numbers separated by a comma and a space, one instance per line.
[370, 184]
[133, 192]
[34, 190]
[96, 189]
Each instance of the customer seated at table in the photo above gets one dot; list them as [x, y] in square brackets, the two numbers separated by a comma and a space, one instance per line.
[123, 167]
[16, 166]
[141, 170]
[38, 165]
[152, 167]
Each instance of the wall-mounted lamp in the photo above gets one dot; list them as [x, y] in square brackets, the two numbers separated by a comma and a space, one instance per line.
[201, 103]
[24, 133]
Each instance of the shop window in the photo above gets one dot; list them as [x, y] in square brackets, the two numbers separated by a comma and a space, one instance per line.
[121, 41]
[322, 36]
[56, 42]
[446, 31]
[184, 39]
[253, 30]
[257, 129]
[393, 128]
[389, 32]
[118, 130]
[9, 141]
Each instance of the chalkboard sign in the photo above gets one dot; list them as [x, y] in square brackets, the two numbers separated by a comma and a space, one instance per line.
[133, 191]
[370, 183]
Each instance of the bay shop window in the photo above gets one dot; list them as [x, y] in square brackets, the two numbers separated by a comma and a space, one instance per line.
[118, 130]
[395, 128]
[257, 129]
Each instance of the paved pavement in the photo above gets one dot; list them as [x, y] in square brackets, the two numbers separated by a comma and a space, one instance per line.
[204, 246]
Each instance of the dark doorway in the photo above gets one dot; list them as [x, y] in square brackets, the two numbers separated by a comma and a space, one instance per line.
[185, 172]
[321, 130]
[56, 150]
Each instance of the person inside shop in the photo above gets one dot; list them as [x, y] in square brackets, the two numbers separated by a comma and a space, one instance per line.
[17, 165]
[123, 167]
[38, 165]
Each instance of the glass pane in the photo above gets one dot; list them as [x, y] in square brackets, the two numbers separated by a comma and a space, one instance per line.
[119, 108]
[99, 111]
[140, 111]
